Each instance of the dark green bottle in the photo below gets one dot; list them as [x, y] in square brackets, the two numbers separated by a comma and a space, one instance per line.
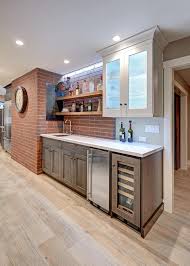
[122, 136]
[130, 132]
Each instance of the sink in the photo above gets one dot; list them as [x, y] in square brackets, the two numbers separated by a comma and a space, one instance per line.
[61, 135]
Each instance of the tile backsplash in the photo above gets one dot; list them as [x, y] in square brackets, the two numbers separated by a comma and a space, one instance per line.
[149, 130]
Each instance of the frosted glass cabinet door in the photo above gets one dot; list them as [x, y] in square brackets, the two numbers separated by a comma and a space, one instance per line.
[137, 81]
[113, 84]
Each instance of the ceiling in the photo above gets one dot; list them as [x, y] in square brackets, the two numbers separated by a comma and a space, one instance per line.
[53, 30]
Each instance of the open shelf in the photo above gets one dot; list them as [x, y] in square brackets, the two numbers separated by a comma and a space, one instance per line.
[79, 113]
[83, 95]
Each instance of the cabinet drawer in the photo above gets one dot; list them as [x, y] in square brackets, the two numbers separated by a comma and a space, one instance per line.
[81, 150]
[68, 146]
[51, 142]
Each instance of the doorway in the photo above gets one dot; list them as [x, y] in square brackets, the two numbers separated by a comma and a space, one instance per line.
[172, 160]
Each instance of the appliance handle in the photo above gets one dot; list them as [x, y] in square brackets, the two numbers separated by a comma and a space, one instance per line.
[89, 174]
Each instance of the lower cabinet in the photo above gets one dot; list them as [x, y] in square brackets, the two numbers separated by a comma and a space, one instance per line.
[67, 167]
[74, 167]
[46, 160]
[67, 163]
[80, 174]
[56, 163]
[51, 162]
[137, 183]
[126, 188]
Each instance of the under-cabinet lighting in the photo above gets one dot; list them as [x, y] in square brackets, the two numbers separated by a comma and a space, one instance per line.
[84, 69]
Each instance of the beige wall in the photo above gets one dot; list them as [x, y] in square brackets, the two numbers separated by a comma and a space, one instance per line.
[177, 49]
[182, 82]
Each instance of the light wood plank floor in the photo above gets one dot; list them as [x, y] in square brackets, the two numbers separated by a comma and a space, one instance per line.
[44, 223]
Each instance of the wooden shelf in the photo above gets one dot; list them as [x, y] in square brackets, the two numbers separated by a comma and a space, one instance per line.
[83, 95]
[79, 113]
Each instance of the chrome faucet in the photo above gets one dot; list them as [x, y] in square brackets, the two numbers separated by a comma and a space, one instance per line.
[70, 126]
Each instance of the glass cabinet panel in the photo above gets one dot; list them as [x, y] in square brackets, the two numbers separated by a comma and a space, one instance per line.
[137, 80]
[113, 84]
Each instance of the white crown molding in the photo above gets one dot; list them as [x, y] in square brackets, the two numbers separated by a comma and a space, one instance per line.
[152, 34]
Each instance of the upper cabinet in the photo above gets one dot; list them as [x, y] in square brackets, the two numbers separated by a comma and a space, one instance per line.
[133, 76]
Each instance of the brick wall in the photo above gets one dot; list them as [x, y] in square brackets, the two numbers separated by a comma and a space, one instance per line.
[24, 126]
[27, 127]
[44, 126]
[95, 126]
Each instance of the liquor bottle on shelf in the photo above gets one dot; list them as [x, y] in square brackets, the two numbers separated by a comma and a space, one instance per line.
[77, 107]
[90, 106]
[100, 84]
[77, 91]
[122, 136]
[73, 107]
[99, 109]
[130, 132]
[84, 86]
[82, 107]
[91, 85]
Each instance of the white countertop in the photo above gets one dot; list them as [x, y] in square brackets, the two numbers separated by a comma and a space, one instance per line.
[134, 149]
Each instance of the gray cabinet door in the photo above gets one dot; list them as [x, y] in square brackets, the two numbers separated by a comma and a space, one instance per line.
[67, 168]
[126, 188]
[56, 163]
[80, 174]
[46, 160]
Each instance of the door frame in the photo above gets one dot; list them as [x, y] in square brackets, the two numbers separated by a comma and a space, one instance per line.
[183, 124]
[168, 167]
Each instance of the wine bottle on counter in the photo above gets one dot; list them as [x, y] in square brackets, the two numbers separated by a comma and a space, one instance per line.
[130, 132]
[122, 136]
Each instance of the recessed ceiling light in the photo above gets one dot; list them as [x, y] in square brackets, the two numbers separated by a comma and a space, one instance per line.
[116, 38]
[19, 43]
[66, 61]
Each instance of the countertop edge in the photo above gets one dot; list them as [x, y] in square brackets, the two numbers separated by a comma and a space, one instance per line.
[135, 154]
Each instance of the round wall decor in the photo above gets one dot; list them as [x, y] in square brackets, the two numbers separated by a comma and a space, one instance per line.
[21, 99]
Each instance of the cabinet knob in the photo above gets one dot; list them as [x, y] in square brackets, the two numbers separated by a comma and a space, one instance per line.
[121, 104]
[113, 165]
[125, 104]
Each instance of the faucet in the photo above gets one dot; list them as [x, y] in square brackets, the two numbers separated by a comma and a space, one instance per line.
[70, 126]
